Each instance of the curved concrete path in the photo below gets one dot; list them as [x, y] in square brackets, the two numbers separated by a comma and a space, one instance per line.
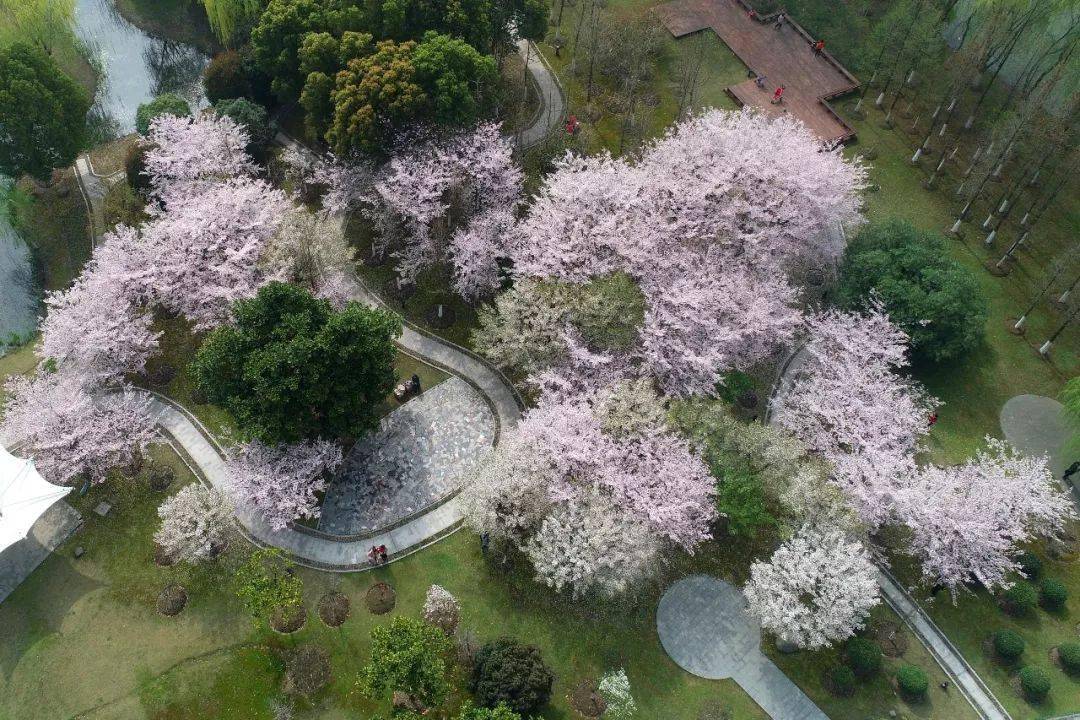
[552, 108]
[704, 627]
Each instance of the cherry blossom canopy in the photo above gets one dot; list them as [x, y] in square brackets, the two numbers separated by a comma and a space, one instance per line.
[24, 497]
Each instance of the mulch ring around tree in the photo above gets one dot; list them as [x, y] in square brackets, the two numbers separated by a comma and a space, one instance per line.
[334, 609]
[172, 600]
[287, 620]
[380, 598]
[586, 699]
[161, 477]
[890, 636]
[307, 670]
[162, 557]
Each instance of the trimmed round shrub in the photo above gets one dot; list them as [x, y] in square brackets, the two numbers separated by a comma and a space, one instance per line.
[1052, 594]
[933, 298]
[164, 104]
[1035, 682]
[172, 599]
[912, 681]
[1021, 598]
[1030, 565]
[252, 118]
[842, 680]
[863, 656]
[1069, 656]
[1008, 645]
[224, 77]
[507, 671]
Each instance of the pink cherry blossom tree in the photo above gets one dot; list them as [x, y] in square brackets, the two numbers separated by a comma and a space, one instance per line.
[69, 431]
[208, 245]
[709, 220]
[968, 521]
[187, 154]
[451, 198]
[847, 401]
[280, 483]
[817, 589]
[602, 468]
[95, 327]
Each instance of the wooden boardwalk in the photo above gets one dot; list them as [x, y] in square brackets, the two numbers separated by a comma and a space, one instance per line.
[784, 56]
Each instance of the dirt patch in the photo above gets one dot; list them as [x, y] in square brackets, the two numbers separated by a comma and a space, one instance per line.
[890, 636]
[306, 671]
[288, 619]
[334, 609]
[163, 558]
[380, 598]
[172, 600]
[586, 699]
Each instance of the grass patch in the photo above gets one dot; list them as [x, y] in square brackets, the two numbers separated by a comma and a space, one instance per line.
[974, 617]
[720, 68]
[54, 223]
[875, 696]
[108, 158]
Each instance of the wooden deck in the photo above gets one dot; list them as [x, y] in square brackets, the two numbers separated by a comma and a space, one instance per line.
[784, 56]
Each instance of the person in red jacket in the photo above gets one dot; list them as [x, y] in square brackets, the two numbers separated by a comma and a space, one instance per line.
[778, 96]
[819, 47]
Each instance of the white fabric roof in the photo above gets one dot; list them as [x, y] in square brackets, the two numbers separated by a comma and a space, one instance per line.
[24, 497]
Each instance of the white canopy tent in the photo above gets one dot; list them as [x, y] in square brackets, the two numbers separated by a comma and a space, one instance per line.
[24, 497]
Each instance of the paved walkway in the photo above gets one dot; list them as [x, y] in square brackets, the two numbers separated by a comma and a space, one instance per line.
[416, 459]
[94, 188]
[785, 56]
[552, 99]
[704, 627]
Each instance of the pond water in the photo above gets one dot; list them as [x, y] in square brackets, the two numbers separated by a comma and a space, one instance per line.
[133, 67]
[18, 296]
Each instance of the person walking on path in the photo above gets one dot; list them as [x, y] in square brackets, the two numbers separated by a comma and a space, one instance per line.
[778, 96]
[485, 540]
[373, 555]
[779, 22]
[760, 81]
[382, 554]
[819, 47]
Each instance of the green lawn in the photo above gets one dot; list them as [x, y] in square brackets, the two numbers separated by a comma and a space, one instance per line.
[54, 223]
[82, 634]
[719, 69]
[975, 616]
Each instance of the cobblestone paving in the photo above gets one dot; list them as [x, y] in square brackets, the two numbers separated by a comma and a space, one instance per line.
[417, 457]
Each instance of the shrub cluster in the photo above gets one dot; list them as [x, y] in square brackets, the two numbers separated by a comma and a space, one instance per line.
[1021, 598]
[864, 657]
[842, 680]
[511, 673]
[1052, 594]
[1069, 656]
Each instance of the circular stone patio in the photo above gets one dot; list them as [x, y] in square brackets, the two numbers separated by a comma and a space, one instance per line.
[1036, 425]
[703, 626]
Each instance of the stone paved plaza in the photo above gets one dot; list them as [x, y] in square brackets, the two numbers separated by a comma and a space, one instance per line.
[704, 628]
[416, 458]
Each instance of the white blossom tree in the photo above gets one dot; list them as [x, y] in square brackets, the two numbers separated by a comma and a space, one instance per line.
[280, 483]
[817, 589]
[614, 687]
[194, 523]
[968, 521]
[70, 432]
[441, 609]
[847, 401]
